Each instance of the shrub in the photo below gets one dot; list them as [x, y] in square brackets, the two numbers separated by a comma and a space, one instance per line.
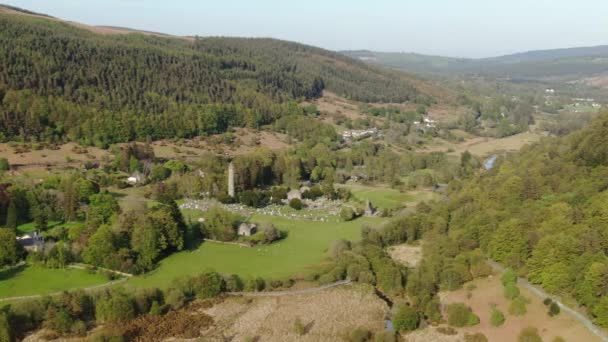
[299, 327]
[4, 165]
[155, 309]
[175, 298]
[338, 247]
[347, 213]
[271, 233]
[208, 285]
[360, 335]
[547, 301]
[385, 336]
[233, 283]
[477, 337]
[117, 307]
[295, 203]
[518, 306]
[508, 277]
[6, 333]
[406, 319]
[447, 331]
[511, 291]
[497, 318]
[554, 309]
[459, 315]
[255, 285]
[529, 334]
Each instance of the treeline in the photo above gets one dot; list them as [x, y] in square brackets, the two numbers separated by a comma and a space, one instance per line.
[541, 211]
[58, 83]
[114, 312]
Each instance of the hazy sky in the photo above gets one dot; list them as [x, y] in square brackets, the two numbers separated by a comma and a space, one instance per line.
[463, 28]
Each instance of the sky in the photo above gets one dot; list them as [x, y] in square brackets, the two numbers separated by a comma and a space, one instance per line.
[457, 28]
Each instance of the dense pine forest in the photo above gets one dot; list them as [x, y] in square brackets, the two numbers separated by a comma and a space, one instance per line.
[59, 82]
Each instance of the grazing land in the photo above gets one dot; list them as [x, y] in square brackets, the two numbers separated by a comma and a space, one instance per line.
[305, 246]
[385, 197]
[31, 280]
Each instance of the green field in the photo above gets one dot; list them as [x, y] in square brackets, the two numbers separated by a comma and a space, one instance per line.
[305, 246]
[381, 197]
[30, 280]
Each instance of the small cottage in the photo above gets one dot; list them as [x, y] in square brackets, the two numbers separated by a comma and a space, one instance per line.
[247, 229]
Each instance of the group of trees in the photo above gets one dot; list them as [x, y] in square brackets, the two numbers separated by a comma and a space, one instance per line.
[72, 314]
[101, 89]
[540, 211]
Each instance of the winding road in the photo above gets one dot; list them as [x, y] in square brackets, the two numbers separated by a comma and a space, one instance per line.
[542, 294]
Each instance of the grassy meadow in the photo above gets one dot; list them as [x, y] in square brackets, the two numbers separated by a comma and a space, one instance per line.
[31, 280]
[305, 246]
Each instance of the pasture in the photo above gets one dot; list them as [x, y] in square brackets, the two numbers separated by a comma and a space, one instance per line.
[305, 247]
[31, 280]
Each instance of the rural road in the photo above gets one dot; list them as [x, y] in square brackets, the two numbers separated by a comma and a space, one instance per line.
[291, 292]
[542, 294]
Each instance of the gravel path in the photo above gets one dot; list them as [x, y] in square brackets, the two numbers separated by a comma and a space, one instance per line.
[542, 294]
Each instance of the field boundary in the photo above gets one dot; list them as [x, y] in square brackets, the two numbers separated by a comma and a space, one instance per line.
[54, 294]
[291, 292]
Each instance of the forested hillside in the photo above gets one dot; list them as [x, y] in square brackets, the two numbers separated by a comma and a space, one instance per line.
[542, 211]
[60, 82]
[558, 64]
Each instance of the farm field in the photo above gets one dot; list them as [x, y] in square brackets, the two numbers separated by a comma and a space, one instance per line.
[31, 280]
[305, 246]
[483, 146]
[387, 198]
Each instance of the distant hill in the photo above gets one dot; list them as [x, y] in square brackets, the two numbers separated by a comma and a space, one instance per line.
[63, 80]
[556, 64]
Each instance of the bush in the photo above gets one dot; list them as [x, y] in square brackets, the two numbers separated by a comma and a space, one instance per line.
[459, 315]
[406, 319]
[518, 306]
[296, 203]
[478, 337]
[233, 283]
[554, 309]
[255, 285]
[208, 285]
[347, 213]
[4, 165]
[508, 277]
[511, 291]
[6, 334]
[385, 336]
[338, 247]
[497, 318]
[299, 327]
[359, 335]
[547, 301]
[529, 334]
[271, 233]
[175, 298]
[115, 308]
